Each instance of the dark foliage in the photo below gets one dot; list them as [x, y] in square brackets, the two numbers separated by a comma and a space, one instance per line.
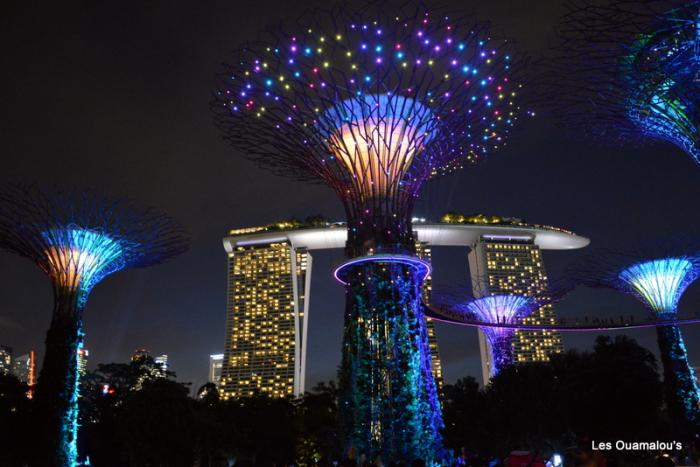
[15, 434]
[611, 393]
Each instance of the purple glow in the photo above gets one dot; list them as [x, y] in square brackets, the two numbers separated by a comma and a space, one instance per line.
[417, 263]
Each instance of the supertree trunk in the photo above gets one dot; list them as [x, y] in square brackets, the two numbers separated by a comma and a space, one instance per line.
[388, 396]
[681, 391]
[501, 350]
[57, 388]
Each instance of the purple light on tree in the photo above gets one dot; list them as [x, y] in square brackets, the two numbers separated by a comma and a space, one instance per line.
[505, 309]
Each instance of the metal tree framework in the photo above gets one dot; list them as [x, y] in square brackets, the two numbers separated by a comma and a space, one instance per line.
[630, 68]
[657, 275]
[374, 102]
[77, 239]
[499, 309]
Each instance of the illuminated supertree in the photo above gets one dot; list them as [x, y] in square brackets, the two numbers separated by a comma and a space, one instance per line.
[77, 239]
[499, 309]
[657, 275]
[373, 103]
[629, 69]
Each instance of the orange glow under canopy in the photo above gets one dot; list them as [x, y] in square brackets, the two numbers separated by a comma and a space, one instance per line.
[79, 258]
[377, 138]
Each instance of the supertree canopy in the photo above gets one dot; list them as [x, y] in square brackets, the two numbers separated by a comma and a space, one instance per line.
[660, 283]
[502, 309]
[630, 68]
[657, 274]
[373, 102]
[77, 239]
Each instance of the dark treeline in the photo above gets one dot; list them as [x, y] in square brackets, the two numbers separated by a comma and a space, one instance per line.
[130, 417]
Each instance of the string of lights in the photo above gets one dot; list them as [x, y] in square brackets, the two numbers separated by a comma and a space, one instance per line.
[371, 101]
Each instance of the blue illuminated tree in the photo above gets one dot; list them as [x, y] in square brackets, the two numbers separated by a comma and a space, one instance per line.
[373, 102]
[657, 274]
[77, 239]
[626, 69]
[495, 310]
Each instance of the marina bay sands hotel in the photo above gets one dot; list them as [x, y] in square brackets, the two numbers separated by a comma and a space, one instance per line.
[269, 292]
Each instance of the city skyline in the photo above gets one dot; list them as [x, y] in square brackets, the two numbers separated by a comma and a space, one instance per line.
[181, 307]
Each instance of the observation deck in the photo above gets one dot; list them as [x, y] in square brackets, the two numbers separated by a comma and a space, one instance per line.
[334, 235]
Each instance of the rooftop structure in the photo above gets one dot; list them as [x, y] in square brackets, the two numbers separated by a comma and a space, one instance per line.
[371, 101]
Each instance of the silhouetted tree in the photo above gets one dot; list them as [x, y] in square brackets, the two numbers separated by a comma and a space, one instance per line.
[318, 432]
[15, 433]
[463, 404]
[611, 393]
[158, 424]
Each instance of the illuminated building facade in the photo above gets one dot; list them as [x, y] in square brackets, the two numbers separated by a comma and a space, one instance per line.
[266, 319]
[150, 368]
[275, 243]
[161, 362]
[216, 363]
[83, 355]
[24, 368]
[512, 264]
[424, 251]
[5, 359]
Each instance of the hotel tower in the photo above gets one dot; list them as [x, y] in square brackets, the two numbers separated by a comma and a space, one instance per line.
[266, 324]
[513, 264]
[269, 279]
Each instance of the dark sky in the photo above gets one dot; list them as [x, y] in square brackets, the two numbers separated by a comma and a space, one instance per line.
[115, 95]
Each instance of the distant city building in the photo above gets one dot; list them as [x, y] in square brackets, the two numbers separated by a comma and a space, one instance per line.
[269, 278]
[161, 362]
[266, 318]
[5, 359]
[24, 368]
[83, 355]
[151, 368]
[216, 363]
[424, 251]
[513, 264]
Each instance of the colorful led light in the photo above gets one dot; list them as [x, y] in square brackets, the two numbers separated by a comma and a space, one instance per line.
[80, 258]
[422, 268]
[660, 283]
[77, 239]
[505, 309]
[628, 69]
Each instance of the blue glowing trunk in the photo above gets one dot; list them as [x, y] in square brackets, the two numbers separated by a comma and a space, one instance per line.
[57, 388]
[501, 343]
[681, 391]
[388, 396]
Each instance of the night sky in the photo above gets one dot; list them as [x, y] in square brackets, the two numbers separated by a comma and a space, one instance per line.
[115, 96]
